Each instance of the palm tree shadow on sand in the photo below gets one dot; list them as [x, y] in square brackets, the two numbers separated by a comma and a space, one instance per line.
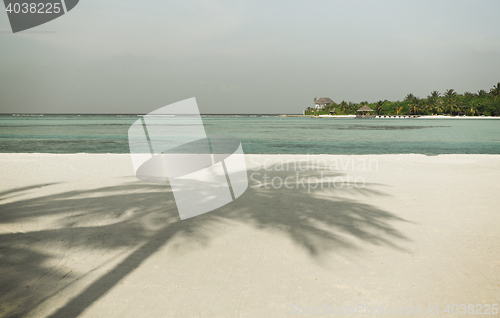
[143, 217]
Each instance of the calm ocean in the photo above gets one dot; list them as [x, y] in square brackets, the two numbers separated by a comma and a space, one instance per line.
[261, 134]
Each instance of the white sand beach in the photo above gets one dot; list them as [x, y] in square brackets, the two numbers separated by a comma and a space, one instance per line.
[337, 116]
[407, 116]
[457, 117]
[81, 236]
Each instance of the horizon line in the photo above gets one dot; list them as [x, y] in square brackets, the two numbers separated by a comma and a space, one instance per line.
[141, 114]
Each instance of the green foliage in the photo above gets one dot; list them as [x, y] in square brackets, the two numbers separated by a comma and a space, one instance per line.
[449, 103]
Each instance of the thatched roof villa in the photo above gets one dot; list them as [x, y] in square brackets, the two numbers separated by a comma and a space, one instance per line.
[322, 102]
[364, 109]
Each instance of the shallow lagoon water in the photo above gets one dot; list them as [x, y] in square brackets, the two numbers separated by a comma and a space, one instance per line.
[261, 135]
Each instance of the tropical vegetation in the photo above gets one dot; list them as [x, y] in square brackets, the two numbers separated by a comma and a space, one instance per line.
[450, 102]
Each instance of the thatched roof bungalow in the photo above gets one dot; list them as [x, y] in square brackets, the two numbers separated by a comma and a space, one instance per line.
[364, 109]
[322, 102]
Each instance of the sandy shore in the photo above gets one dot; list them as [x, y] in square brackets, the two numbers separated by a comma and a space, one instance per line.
[394, 116]
[337, 116]
[80, 236]
[458, 117]
[417, 117]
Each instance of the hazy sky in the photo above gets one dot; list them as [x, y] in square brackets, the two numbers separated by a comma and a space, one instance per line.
[123, 56]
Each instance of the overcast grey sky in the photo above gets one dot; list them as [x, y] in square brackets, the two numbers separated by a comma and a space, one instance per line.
[123, 56]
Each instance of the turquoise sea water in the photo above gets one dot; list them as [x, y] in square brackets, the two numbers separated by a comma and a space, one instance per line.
[259, 134]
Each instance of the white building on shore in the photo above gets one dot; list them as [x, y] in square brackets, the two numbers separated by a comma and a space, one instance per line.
[322, 102]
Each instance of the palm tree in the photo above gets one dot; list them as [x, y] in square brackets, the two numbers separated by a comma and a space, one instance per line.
[427, 106]
[352, 107]
[450, 96]
[379, 105]
[410, 97]
[343, 104]
[398, 109]
[450, 92]
[439, 107]
[433, 99]
[481, 93]
[435, 94]
[468, 95]
[413, 103]
[415, 108]
[495, 91]
[472, 111]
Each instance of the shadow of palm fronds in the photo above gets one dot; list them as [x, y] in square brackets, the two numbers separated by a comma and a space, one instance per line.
[142, 217]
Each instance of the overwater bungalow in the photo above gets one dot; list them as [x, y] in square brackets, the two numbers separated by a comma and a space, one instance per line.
[363, 112]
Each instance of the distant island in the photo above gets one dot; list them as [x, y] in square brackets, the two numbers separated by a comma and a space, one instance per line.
[450, 103]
